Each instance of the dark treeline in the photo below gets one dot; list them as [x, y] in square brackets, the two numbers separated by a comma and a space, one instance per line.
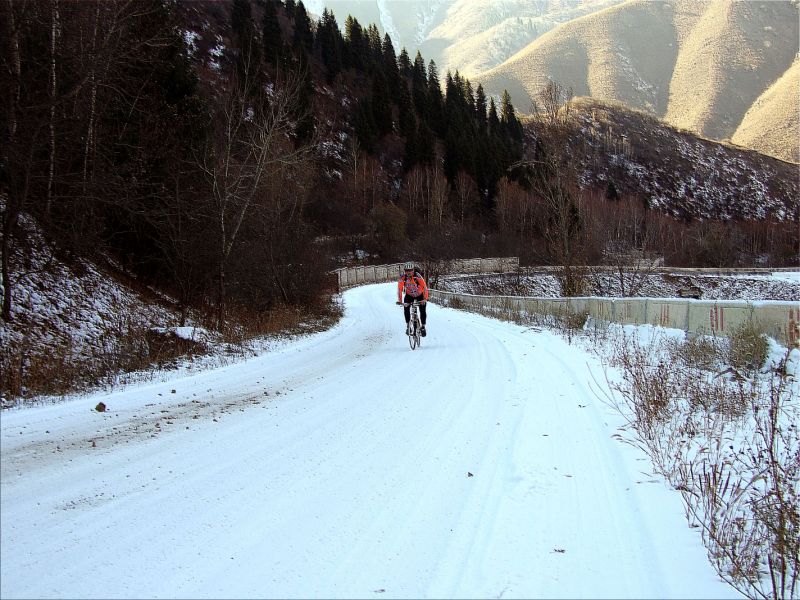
[210, 174]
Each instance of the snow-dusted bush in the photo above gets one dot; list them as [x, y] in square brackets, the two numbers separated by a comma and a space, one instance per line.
[748, 348]
[726, 436]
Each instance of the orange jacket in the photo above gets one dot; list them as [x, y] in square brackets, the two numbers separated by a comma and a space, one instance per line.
[413, 285]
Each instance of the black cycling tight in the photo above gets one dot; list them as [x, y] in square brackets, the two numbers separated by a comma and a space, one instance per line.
[407, 309]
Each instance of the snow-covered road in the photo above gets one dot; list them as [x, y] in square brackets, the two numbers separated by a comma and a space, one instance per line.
[346, 465]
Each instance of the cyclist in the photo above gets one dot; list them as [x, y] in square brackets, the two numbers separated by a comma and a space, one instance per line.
[412, 287]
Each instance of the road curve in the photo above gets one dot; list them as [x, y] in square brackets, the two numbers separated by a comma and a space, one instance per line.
[346, 465]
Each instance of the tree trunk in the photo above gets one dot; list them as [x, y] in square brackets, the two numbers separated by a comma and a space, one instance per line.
[92, 102]
[51, 173]
[12, 35]
[221, 275]
[8, 225]
[221, 295]
[275, 273]
[12, 208]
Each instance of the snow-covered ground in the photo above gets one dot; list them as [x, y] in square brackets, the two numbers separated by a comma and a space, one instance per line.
[780, 285]
[343, 464]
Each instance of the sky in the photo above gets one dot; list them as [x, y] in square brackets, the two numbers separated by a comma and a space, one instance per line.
[343, 464]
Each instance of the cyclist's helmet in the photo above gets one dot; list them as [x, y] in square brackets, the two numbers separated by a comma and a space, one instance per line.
[409, 266]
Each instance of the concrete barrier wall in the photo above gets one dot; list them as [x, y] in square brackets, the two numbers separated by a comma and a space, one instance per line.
[780, 320]
[352, 276]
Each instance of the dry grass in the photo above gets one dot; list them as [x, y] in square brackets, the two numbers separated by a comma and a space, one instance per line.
[567, 322]
[29, 370]
[245, 324]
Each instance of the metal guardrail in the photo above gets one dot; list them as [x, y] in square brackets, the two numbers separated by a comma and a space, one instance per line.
[780, 320]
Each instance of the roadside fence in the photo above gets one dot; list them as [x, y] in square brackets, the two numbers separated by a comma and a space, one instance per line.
[780, 320]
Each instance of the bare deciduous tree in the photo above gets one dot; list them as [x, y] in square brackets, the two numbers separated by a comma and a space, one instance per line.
[252, 141]
[368, 181]
[513, 207]
[426, 190]
[619, 231]
[552, 104]
[467, 196]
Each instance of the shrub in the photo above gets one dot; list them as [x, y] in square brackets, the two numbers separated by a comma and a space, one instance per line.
[748, 348]
[700, 351]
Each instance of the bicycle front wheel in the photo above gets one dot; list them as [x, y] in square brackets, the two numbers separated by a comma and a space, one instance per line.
[412, 339]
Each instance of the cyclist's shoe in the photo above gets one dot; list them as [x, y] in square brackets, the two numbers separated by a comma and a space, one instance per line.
[422, 331]
[408, 328]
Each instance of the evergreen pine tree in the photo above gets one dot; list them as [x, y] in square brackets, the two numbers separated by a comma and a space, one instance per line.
[356, 44]
[426, 144]
[419, 87]
[303, 35]
[374, 49]
[407, 119]
[306, 124]
[404, 64]
[390, 67]
[249, 49]
[435, 112]
[366, 129]
[508, 118]
[492, 121]
[271, 33]
[330, 42]
[290, 6]
[470, 96]
[241, 17]
[381, 108]
[411, 156]
[452, 159]
[480, 107]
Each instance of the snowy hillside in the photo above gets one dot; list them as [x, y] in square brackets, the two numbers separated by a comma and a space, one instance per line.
[77, 323]
[677, 172]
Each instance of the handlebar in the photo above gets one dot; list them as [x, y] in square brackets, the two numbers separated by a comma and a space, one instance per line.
[415, 302]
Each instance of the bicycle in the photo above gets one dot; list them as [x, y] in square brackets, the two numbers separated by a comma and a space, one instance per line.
[414, 325]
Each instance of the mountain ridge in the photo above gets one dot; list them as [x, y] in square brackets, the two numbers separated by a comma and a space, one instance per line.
[715, 62]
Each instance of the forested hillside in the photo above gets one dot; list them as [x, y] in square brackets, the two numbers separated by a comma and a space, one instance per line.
[208, 145]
